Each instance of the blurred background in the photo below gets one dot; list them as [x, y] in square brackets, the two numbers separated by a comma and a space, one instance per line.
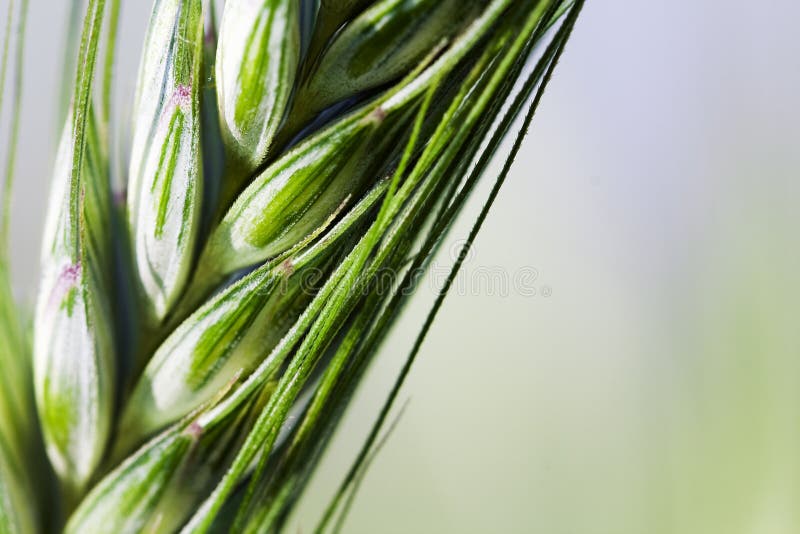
[639, 369]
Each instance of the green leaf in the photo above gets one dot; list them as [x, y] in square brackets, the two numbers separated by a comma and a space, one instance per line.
[166, 176]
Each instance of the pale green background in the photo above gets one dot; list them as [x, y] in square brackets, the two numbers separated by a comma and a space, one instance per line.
[657, 388]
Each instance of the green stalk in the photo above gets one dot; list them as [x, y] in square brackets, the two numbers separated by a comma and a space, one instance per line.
[69, 60]
[20, 468]
[16, 107]
[4, 222]
[108, 67]
[15, 374]
[87, 58]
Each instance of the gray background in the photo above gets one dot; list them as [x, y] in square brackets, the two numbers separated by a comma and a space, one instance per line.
[651, 384]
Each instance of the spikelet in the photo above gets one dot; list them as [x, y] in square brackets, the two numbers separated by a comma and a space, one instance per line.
[166, 176]
[74, 360]
[257, 59]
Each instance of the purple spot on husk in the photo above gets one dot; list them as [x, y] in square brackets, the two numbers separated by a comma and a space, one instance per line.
[69, 277]
[67, 280]
[182, 96]
[195, 431]
[378, 114]
[287, 267]
[71, 273]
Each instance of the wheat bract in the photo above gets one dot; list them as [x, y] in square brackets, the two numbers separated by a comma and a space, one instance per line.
[196, 345]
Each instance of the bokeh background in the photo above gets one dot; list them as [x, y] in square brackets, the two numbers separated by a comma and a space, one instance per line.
[647, 378]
